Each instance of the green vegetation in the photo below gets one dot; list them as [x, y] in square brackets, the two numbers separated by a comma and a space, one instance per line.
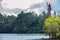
[23, 23]
[52, 26]
[30, 23]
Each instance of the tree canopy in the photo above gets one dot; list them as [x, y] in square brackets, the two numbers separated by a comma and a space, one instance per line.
[52, 26]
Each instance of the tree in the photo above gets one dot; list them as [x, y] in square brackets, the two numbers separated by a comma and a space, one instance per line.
[1, 18]
[24, 22]
[7, 23]
[41, 20]
[1, 22]
[55, 14]
[52, 26]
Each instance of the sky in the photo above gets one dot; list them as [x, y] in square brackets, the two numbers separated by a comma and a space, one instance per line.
[13, 7]
[56, 6]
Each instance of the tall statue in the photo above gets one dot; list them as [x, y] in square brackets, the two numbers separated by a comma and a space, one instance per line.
[49, 9]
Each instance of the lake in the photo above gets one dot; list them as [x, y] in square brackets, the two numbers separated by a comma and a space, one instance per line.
[22, 36]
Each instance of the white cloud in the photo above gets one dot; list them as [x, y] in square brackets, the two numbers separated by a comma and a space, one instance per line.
[22, 4]
[39, 10]
[51, 1]
[9, 14]
[13, 7]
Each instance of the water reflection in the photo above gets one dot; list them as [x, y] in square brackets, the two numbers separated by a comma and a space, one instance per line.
[22, 36]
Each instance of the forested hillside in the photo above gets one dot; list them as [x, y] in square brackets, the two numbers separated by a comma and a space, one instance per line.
[23, 23]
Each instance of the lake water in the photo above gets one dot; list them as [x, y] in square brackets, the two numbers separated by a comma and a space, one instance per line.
[22, 36]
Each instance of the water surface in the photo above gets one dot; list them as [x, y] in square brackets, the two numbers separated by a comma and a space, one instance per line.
[22, 36]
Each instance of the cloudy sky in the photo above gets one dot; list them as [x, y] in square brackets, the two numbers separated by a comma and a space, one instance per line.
[13, 7]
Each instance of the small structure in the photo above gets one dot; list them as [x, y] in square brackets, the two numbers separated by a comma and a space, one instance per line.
[49, 9]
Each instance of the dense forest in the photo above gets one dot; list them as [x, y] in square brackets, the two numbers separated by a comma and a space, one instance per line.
[23, 23]
[31, 23]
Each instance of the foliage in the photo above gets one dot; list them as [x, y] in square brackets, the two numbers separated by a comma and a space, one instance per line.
[52, 26]
[5, 23]
[23, 23]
